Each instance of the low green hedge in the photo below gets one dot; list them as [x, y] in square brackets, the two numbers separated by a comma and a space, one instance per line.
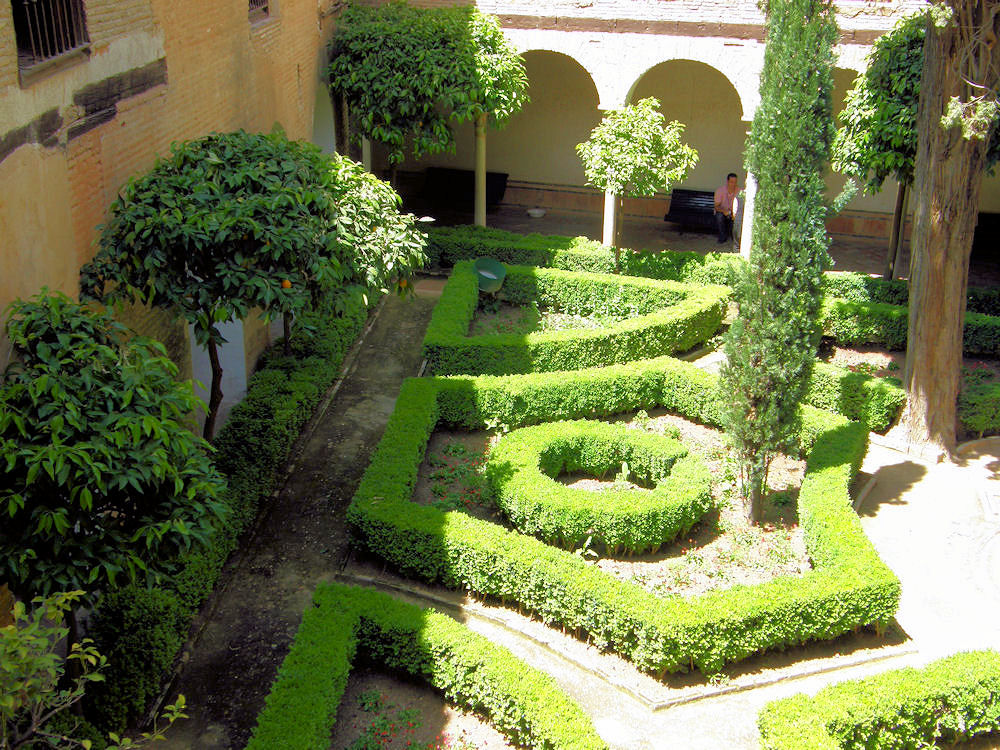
[848, 587]
[886, 325]
[951, 700]
[523, 703]
[670, 317]
[979, 408]
[875, 402]
[523, 465]
[860, 309]
[140, 630]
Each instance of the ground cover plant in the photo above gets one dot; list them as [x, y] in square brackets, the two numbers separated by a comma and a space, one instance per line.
[950, 700]
[663, 317]
[848, 587]
[347, 623]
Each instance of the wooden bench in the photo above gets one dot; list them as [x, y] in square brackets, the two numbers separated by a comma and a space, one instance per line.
[692, 209]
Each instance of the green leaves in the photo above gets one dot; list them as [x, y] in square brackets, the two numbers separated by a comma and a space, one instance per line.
[407, 73]
[634, 152]
[99, 465]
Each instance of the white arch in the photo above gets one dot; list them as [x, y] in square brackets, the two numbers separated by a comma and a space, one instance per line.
[635, 83]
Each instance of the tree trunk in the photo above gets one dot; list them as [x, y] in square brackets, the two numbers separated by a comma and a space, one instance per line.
[286, 325]
[619, 228]
[215, 397]
[753, 493]
[897, 231]
[340, 126]
[947, 179]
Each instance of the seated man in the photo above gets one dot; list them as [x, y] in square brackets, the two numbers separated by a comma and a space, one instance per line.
[725, 198]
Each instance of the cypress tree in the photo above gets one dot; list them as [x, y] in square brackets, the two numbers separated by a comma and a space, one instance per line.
[771, 347]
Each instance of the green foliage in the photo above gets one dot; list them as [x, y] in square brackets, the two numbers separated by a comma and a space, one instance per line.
[979, 407]
[407, 73]
[634, 152]
[524, 464]
[669, 317]
[949, 701]
[878, 134]
[849, 586]
[141, 630]
[524, 704]
[771, 346]
[103, 480]
[215, 229]
[34, 693]
[874, 402]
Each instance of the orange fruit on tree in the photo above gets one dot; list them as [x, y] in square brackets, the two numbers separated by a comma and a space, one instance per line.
[286, 284]
[402, 283]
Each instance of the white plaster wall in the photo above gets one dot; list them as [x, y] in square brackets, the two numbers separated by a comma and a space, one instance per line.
[709, 106]
[989, 198]
[324, 132]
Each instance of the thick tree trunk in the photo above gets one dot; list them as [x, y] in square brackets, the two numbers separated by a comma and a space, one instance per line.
[215, 396]
[897, 231]
[946, 190]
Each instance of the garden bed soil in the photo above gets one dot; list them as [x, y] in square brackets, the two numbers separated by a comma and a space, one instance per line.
[719, 552]
[502, 318]
[420, 714]
[874, 360]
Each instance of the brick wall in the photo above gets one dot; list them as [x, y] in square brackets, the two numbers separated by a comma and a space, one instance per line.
[158, 71]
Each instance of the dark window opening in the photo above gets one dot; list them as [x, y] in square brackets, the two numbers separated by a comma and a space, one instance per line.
[258, 10]
[48, 28]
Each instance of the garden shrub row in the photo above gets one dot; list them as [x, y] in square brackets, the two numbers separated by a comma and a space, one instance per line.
[875, 402]
[347, 622]
[141, 630]
[885, 325]
[523, 466]
[950, 700]
[860, 309]
[670, 317]
[849, 586]
[979, 408]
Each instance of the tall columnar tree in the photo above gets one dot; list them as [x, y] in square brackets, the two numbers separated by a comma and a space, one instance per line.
[771, 346]
[236, 221]
[102, 480]
[957, 114]
[878, 134]
[635, 152]
[407, 73]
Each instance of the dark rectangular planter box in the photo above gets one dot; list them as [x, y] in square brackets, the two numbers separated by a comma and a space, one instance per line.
[456, 188]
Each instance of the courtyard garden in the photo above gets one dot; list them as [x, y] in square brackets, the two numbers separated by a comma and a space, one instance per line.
[568, 510]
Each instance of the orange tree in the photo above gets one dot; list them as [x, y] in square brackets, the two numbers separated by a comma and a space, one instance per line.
[102, 480]
[237, 221]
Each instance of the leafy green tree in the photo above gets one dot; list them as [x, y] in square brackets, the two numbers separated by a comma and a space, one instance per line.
[957, 117]
[237, 221]
[878, 134]
[407, 73]
[34, 694]
[102, 479]
[771, 346]
[634, 152]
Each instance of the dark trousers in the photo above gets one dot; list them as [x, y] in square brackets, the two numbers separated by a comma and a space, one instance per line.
[724, 226]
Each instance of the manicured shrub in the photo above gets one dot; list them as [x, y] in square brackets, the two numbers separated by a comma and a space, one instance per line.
[875, 402]
[471, 671]
[140, 630]
[950, 700]
[523, 465]
[849, 586]
[979, 408]
[687, 315]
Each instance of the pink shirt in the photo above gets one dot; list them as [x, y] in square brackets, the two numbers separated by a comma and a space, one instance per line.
[725, 199]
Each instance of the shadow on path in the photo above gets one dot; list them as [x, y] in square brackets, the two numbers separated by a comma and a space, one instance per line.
[300, 539]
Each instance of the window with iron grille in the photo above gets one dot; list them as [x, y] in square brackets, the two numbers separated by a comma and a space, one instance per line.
[46, 29]
[258, 10]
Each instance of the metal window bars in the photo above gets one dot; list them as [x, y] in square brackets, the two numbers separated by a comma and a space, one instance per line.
[48, 28]
[259, 10]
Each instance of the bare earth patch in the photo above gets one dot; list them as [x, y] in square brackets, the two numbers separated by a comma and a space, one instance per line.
[392, 713]
[501, 317]
[719, 552]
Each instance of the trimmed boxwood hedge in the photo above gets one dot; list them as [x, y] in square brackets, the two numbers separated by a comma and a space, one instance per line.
[849, 586]
[523, 703]
[860, 310]
[670, 317]
[140, 630]
[523, 465]
[875, 402]
[951, 700]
